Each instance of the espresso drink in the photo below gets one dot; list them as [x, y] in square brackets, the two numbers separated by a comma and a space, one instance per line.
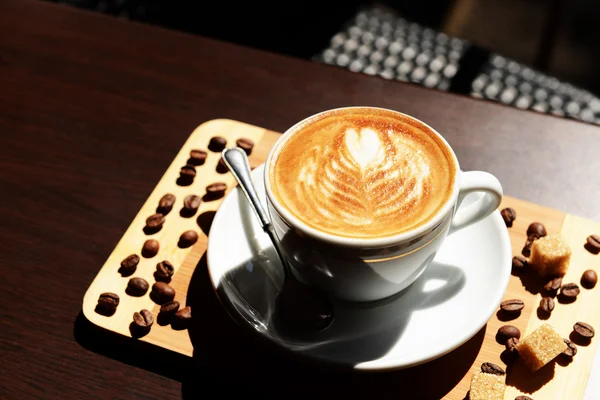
[364, 173]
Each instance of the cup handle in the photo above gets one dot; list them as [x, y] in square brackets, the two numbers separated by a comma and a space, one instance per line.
[476, 181]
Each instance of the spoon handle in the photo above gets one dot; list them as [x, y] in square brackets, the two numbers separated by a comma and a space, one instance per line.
[237, 162]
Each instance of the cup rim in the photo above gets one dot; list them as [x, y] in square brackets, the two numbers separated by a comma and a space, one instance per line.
[357, 242]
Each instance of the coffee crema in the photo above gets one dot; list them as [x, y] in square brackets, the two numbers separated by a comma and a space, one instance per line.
[361, 172]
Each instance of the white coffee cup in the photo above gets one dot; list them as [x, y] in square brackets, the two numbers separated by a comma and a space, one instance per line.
[369, 269]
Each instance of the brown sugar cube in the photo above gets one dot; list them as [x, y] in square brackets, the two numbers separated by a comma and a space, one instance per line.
[540, 347]
[550, 256]
[487, 387]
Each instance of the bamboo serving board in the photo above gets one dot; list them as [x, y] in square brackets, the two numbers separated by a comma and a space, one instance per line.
[556, 381]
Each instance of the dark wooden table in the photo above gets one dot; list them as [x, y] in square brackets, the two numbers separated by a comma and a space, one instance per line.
[92, 110]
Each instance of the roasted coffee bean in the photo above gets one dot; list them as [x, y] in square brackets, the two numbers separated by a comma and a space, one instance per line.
[129, 264]
[170, 307]
[523, 398]
[217, 143]
[569, 290]
[222, 167]
[553, 285]
[245, 144]
[536, 230]
[155, 221]
[188, 171]
[519, 263]
[571, 349]
[164, 271]
[197, 157]
[108, 301]
[143, 319]
[162, 293]
[150, 248]
[593, 244]
[187, 174]
[183, 317]
[511, 344]
[589, 279]
[506, 332]
[137, 287]
[188, 238]
[191, 203]
[216, 190]
[165, 204]
[508, 215]
[547, 304]
[512, 306]
[584, 330]
[491, 368]
[527, 248]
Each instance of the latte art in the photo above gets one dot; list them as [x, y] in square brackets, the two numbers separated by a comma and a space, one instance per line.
[356, 175]
[362, 175]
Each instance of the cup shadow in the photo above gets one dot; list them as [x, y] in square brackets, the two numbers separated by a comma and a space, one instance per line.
[360, 332]
[225, 352]
[272, 376]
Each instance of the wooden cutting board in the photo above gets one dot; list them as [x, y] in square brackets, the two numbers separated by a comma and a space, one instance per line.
[557, 381]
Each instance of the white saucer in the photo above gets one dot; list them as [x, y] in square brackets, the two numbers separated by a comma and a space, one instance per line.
[444, 308]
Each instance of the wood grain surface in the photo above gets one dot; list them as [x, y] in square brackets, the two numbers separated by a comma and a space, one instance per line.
[93, 110]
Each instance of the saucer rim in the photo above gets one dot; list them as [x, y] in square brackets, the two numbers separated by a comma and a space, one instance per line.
[390, 365]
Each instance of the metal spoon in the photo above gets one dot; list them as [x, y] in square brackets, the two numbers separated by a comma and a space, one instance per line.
[298, 306]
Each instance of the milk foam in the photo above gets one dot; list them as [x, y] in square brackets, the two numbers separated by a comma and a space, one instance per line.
[363, 177]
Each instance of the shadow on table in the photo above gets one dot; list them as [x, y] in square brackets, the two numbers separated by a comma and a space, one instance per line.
[225, 354]
[130, 351]
[253, 369]
[227, 358]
